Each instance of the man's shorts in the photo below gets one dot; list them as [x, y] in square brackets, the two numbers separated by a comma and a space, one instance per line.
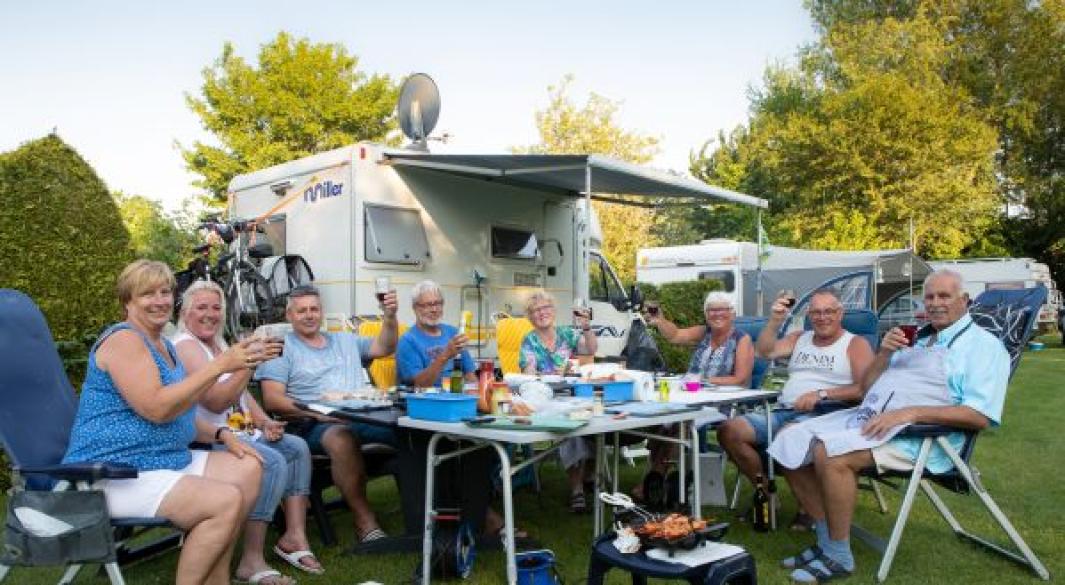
[889, 457]
[312, 431]
[140, 497]
[781, 417]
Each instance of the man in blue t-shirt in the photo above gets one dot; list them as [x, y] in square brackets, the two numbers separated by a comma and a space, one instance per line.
[314, 362]
[427, 352]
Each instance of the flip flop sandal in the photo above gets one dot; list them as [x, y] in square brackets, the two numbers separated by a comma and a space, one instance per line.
[293, 558]
[820, 570]
[372, 535]
[802, 558]
[262, 576]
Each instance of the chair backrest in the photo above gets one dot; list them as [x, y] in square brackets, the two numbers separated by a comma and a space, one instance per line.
[510, 331]
[37, 403]
[383, 369]
[753, 326]
[861, 322]
[1009, 315]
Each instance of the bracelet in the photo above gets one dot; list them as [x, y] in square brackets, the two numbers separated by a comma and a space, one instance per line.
[218, 434]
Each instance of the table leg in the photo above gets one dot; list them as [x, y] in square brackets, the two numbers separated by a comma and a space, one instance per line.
[427, 535]
[697, 497]
[770, 476]
[682, 496]
[508, 512]
[600, 465]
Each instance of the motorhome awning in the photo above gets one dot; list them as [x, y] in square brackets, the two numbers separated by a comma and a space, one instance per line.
[569, 174]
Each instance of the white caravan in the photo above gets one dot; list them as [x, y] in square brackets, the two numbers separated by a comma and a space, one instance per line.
[488, 228]
[865, 279]
[982, 274]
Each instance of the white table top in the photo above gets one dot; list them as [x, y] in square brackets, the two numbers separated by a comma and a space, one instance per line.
[596, 426]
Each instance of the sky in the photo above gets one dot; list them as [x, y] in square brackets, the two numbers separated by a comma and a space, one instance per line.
[111, 76]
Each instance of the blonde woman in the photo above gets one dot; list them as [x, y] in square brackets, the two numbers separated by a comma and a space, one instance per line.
[286, 458]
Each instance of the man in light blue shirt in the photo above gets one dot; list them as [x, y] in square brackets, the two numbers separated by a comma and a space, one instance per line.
[975, 370]
[427, 351]
[314, 362]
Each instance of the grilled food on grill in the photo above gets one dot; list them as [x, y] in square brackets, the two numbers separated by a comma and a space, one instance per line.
[672, 527]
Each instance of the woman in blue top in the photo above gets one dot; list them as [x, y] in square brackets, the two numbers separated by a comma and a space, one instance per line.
[137, 407]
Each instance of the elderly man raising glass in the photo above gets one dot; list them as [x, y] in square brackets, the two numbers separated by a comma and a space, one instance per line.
[426, 353]
[826, 364]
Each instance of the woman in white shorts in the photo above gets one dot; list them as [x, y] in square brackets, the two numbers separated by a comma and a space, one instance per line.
[137, 408]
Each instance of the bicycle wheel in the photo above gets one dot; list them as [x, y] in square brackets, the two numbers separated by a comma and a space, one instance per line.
[256, 298]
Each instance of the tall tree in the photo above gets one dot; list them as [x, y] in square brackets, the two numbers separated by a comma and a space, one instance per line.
[566, 128]
[866, 135]
[153, 232]
[301, 99]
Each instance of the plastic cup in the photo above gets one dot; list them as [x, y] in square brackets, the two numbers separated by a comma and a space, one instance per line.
[910, 331]
[692, 385]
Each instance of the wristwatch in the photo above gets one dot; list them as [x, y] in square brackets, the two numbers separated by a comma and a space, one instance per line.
[822, 394]
[218, 433]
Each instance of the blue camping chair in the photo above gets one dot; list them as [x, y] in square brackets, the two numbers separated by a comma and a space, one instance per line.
[753, 326]
[1010, 315]
[34, 389]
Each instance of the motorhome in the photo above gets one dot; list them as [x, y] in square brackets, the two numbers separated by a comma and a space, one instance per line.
[488, 228]
[982, 274]
[865, 279]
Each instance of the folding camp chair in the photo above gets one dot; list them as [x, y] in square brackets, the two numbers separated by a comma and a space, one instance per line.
[37, 407]
[1009, 315]
[510, 331]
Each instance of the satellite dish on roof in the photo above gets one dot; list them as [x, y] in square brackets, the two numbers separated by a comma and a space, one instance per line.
[418, 109]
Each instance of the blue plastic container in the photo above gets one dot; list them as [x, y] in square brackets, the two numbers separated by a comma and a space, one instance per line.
[612, 391]
[443, 407]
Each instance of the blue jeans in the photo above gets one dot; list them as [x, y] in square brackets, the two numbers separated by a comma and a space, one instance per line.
[781, 417]
[286, 473]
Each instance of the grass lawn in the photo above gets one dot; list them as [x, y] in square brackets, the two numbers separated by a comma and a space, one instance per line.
[1017, 461]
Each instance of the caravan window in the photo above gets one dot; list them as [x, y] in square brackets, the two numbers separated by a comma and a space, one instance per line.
[725, 277]
[513, 243]
[395, 235]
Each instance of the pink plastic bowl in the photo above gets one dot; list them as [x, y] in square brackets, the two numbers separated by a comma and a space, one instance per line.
[692, 386]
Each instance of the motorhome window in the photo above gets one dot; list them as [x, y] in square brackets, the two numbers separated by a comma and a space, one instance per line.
[597, 290]
[725, 277]
[395, 235]
[513, 243]
[603, 285]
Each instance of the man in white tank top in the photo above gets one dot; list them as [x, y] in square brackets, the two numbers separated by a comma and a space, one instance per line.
[826, 364]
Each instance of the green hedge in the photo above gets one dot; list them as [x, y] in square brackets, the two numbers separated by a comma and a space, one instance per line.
[682, 303]
[63, 239]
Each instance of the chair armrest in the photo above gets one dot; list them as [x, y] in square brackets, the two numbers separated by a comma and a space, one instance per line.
[827, 406]
[929, 430]
[82, 471]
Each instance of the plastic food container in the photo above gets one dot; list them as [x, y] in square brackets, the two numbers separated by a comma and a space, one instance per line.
[620, 391]
[1036, 345]
[442, 407]
[692, 386]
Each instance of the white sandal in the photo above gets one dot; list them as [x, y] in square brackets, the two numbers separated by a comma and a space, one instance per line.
[293, 558]
[261, 576]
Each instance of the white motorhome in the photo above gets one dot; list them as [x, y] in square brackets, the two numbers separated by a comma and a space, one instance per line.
[487, 228]
[982, 274]
[866, 279]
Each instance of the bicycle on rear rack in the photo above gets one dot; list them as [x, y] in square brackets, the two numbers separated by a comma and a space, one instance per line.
[247, 294]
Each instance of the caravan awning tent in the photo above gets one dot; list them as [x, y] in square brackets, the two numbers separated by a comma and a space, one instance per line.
[570, 174]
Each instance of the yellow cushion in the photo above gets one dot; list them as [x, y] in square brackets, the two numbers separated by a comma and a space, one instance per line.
[510, 331]
[383, 369]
